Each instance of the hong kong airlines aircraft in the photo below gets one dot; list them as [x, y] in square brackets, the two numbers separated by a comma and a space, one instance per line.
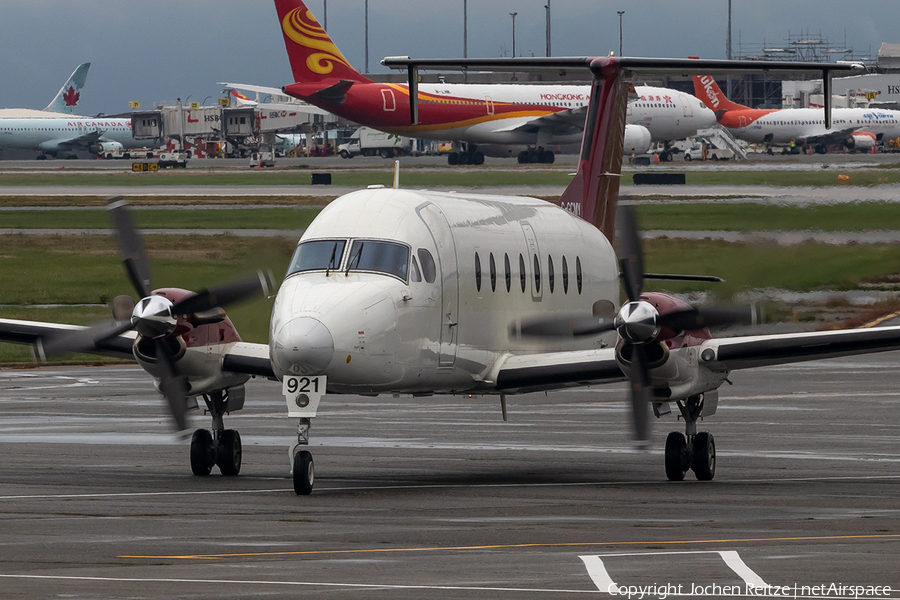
[855, 128]
[490, 119]
[394, 291]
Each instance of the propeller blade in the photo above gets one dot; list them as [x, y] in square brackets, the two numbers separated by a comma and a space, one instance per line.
[631, 256]
[708, 316]
[122, 308]
[641, 395]
[562, 326]
[173, 386]
[131, 247]
[227, 293]
[83, 340]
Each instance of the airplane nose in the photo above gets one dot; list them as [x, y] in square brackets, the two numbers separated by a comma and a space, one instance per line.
[304, 346]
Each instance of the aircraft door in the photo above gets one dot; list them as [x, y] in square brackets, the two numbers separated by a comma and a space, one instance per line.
[448, 279]
[390, 104]
[534, 263]
[489, 104]
[686, 105]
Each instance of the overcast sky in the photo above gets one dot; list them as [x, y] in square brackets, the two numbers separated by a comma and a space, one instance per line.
[165, 49]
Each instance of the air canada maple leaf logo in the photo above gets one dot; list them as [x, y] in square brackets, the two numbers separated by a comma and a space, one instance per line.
[71, 97]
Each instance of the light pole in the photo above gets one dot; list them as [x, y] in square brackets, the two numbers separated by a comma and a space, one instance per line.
[367, 36]
[513, 15]
[620, 12]
[547, 6]
[325, 14]
[465, 30]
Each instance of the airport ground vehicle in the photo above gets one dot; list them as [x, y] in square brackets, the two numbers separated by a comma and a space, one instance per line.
[366, 141]
[173, 159]
[696, 152]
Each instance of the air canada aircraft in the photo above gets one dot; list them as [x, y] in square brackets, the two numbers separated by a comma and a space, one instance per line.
[493, 120]
[854, 128]
[65, 101]
[398, 291]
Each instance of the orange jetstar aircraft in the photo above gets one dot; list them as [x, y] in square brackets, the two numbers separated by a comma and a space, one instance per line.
[854, 128]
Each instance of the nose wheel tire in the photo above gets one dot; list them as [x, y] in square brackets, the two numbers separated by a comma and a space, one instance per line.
[677, 463]
[203, 452]
[303, 473]
[704, 460]
[228, 454]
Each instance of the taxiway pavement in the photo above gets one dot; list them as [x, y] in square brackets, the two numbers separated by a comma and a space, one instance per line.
[439, 498]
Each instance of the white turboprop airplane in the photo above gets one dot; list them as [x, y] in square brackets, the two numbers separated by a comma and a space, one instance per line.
[416, 292]
[493, 120]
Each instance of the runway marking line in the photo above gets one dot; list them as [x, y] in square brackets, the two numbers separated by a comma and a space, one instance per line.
[505, 546]
[600, 575]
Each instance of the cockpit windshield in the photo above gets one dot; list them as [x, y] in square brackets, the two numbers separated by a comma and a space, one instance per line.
[317, 255]
[381, 257]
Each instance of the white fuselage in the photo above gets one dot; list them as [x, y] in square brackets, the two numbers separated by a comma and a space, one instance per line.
[667, 114]
[397, 324]
[57, 134]
[789, 124]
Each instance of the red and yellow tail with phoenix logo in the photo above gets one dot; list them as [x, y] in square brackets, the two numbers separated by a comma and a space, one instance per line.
[313, 55]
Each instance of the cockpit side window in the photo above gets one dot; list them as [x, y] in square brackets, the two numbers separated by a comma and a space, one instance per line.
[317, 255]
[414, 274]
[429, 272]
[380, 257]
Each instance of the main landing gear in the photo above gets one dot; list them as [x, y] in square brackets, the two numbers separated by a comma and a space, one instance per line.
[538, 155]
[220, 447]
[691, 450]
[467, 157]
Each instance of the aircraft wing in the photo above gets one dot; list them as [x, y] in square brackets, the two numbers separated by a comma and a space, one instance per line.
[33, 333]
[764, 350]
[537, 372]
[261, 89]
[565, 122]
[82, 141]
[241, 357]
[832, 137]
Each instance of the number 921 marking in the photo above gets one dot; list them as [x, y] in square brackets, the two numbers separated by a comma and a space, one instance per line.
[303, 385]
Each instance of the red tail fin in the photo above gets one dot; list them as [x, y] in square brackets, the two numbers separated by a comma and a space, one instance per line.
[707, 90]
[313, 55]
[594, 192]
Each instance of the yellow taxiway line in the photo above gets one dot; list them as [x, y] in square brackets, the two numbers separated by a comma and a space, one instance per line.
[510, 546]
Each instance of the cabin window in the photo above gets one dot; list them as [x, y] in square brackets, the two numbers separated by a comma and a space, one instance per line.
[477, 272]
[565, 276]
[317, 255]
[522, 277]
[537, 275]
[550, 274]
[389, 258]
[428, 269]
[508, 272]
[414, 274]
[493, 273]
[578, 277]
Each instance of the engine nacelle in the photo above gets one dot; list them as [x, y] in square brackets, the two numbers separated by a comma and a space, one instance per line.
[104, 147]
[637, 139]
[862, 141]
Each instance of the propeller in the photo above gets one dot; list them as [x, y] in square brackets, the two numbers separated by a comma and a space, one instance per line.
[638, 322]
[153, 317]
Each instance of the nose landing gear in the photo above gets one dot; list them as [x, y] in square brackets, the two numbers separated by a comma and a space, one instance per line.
[303, 471]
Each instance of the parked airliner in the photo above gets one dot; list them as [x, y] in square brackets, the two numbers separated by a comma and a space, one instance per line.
[415, 292]
[66, 100]
[489, 119]
[57, 135]
[855, 128]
